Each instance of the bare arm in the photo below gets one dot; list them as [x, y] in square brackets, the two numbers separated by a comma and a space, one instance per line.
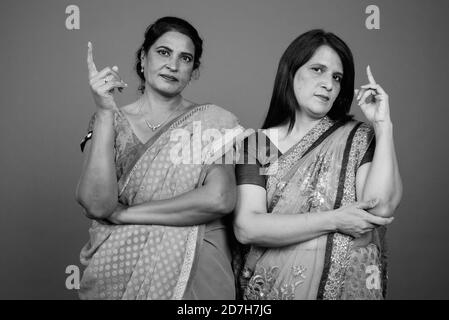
[253, 225]
[97, 187]
[214, 199]
[379, 179]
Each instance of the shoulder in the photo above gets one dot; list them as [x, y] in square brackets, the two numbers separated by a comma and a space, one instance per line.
[364, 132]
[213, 109]
[362, 135]
[358, 129]
[217, 115]
[364, 128]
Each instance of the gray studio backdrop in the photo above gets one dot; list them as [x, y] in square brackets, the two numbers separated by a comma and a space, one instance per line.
[46, 106]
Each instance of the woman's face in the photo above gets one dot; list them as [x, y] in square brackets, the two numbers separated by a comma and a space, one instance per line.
[168, 64]
[317, 83]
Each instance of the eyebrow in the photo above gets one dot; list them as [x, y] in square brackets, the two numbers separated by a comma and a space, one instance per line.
[168, 49]
[340, 73]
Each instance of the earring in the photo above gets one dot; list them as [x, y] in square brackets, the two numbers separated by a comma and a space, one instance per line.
[141, 69]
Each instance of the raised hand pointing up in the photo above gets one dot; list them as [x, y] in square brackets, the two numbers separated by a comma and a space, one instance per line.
[373, 100]
[103, 83]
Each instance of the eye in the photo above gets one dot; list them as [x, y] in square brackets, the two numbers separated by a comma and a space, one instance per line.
[317, 69]
[186, 59]
[338, 78]
[163, 52]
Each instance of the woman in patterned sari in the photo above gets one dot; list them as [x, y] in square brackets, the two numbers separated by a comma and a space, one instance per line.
[153, 181]
[315, 194]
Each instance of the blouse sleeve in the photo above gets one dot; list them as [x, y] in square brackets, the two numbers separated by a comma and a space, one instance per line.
[369, 154]
[248, 170]
[88, 136]
[90, 130]
[365, 144]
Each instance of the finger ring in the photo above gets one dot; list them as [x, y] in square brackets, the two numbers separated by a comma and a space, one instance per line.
[106, 80]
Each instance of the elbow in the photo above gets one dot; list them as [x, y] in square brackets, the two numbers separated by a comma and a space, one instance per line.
[242, 235]
[385, 210]
[388, 207]
[388, 204]
[98, 213]
[244, 230]
[92, 209]
[223, 202]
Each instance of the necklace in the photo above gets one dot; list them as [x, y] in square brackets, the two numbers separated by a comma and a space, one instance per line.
[154, 128]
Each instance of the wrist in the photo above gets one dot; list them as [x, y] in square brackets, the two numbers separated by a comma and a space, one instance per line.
[104, 119]
[383, 128]
[105, 114]
[333, 224]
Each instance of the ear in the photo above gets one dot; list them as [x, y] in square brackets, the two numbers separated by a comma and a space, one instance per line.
[195, 74]
[142, 57]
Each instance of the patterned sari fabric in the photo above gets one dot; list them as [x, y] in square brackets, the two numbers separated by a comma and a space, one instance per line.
[318, 174]
[153, 261]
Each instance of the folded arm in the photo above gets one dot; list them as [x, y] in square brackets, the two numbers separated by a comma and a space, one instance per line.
[210, 201]
[254, 225]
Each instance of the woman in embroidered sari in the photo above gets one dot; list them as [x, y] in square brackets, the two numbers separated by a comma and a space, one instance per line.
[153, 181]
[315, 194]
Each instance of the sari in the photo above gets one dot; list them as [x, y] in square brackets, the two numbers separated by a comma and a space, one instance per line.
[155, 261]
[318, 174]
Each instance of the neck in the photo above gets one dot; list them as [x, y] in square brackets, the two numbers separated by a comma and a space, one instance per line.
[303, 124]
[155, 103]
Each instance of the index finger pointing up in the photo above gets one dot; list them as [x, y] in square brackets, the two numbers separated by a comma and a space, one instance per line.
[90, 61]
[370, 75]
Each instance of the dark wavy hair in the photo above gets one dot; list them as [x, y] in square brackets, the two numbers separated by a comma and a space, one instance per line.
[156, 30]
[283, 103]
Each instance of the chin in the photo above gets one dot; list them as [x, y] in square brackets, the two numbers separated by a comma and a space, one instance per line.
[318, 112]
[169, 91]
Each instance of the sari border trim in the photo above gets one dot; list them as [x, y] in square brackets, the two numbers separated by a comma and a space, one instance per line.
[326, 134]
[188, 264]
[338, 244]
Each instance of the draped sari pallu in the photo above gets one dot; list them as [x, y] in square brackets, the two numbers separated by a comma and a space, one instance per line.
[318, 174]
[153, 261]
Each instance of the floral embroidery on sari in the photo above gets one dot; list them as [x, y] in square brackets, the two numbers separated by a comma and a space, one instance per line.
[261, 286]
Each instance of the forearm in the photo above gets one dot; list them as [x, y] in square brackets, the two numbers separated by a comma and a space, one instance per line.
[277, 230]
[97, 188]
[198, 206]
[383, 181]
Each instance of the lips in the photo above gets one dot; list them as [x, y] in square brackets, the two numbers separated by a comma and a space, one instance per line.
[322, 97]
[169, 78]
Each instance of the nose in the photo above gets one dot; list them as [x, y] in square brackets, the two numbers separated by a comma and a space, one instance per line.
[327, 84]
[172, 64]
